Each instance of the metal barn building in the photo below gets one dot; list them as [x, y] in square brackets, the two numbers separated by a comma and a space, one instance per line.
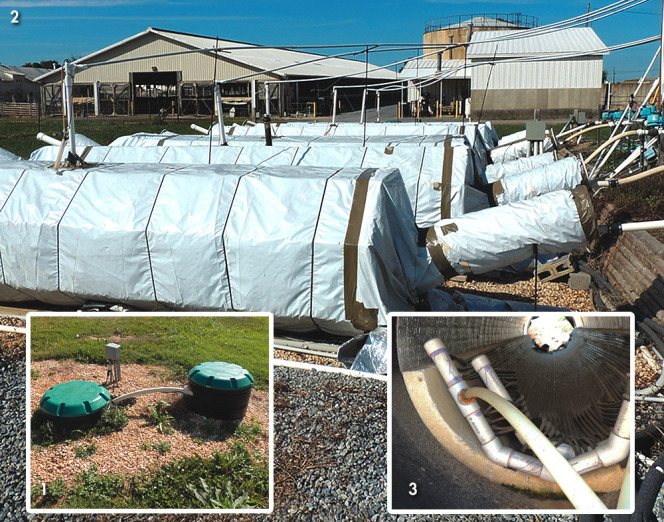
[179, 83]
[556, 72]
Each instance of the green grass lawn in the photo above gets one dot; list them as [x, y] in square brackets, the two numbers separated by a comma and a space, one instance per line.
[178, 343]
[20, 136]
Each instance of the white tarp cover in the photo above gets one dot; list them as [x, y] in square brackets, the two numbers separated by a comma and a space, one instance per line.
[515, 146]
[421, 168]
[498, 171]
[5, 155]
[560, 175]
[329, 248]
[500, 236]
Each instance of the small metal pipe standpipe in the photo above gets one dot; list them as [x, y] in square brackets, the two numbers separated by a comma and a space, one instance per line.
[68, 98]
[267, 119]
[129, 395]
[220, 114]
[48, 139]
[200, 129]
[377, 106]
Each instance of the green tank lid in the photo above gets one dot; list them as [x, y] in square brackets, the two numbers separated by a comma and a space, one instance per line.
[75, 399]
[221, 376]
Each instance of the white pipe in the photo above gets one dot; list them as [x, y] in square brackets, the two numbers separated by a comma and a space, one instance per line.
[220, 114]
[13, 329]
[491, 445]
[334, 105]
[129, 395]
[633, 156]
[267, 99]
[364, 105]
[198, 128]
[574, 487]
[643, 225]
[48, 139]
[378, 106]
[624, 500]
[68, 95]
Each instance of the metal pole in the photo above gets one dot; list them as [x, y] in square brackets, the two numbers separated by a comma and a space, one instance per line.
[364, 105]
[220, 114]
[70, 70]
[267, 99]
[334, 105]
[377, 106]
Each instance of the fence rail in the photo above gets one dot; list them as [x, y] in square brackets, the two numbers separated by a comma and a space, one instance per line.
[19, 109]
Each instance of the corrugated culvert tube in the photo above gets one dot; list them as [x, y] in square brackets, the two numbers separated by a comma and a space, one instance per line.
[573, 384]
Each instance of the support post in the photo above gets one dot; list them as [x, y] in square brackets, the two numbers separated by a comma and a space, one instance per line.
[364, 106]
[334, 105]
[95, 93]
[220, 114]
[70, 70]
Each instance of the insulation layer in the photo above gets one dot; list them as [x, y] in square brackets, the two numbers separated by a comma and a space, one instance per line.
[437, 179]
[561, 175]
[500, 236]
[334, 249]
[498, 171]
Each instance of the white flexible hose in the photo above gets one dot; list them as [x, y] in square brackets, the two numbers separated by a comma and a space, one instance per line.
[129, 395]
[574, 487]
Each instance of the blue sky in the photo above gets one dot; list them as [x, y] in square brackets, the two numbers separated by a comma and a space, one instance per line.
[59, 29]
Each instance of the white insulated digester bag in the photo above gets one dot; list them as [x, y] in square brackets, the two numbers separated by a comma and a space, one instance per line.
[438, 179]
[500, 236]
[498, 171]
[560, 175]
[334, 249]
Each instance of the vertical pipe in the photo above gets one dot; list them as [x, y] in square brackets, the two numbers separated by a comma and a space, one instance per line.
[334, 105]
[267, 99]
[364, 105]
[69, 103]
[253, 99]
[377, 106]
[220, 114]
[95, 93]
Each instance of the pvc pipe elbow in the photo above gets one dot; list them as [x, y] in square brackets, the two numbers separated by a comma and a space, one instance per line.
[198, 128]
[614, 450]
[497, 453]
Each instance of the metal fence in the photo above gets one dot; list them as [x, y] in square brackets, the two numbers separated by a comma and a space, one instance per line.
[512, 20]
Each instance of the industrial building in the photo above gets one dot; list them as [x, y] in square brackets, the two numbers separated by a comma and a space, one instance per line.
[505, 69]
[555, 72]
[17, 84]
[161, 71]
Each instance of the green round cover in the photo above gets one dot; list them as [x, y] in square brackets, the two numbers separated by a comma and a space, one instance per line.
[75, 399]
[221, 376]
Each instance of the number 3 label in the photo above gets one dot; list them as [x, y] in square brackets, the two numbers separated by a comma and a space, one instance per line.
[413, 489]
[14, 16]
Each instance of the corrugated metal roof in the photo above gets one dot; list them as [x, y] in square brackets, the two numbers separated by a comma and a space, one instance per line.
[259, 57]
[575, 39]
[424, 68]
[7, 72]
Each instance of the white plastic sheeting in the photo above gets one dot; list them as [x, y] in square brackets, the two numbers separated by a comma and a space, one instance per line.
[560, 175]
[5, 155]
[498, 171]
[500, 236]
[515, 146]
[437, 179]
[334, 249]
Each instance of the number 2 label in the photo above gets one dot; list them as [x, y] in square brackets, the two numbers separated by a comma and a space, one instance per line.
[15, 15]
